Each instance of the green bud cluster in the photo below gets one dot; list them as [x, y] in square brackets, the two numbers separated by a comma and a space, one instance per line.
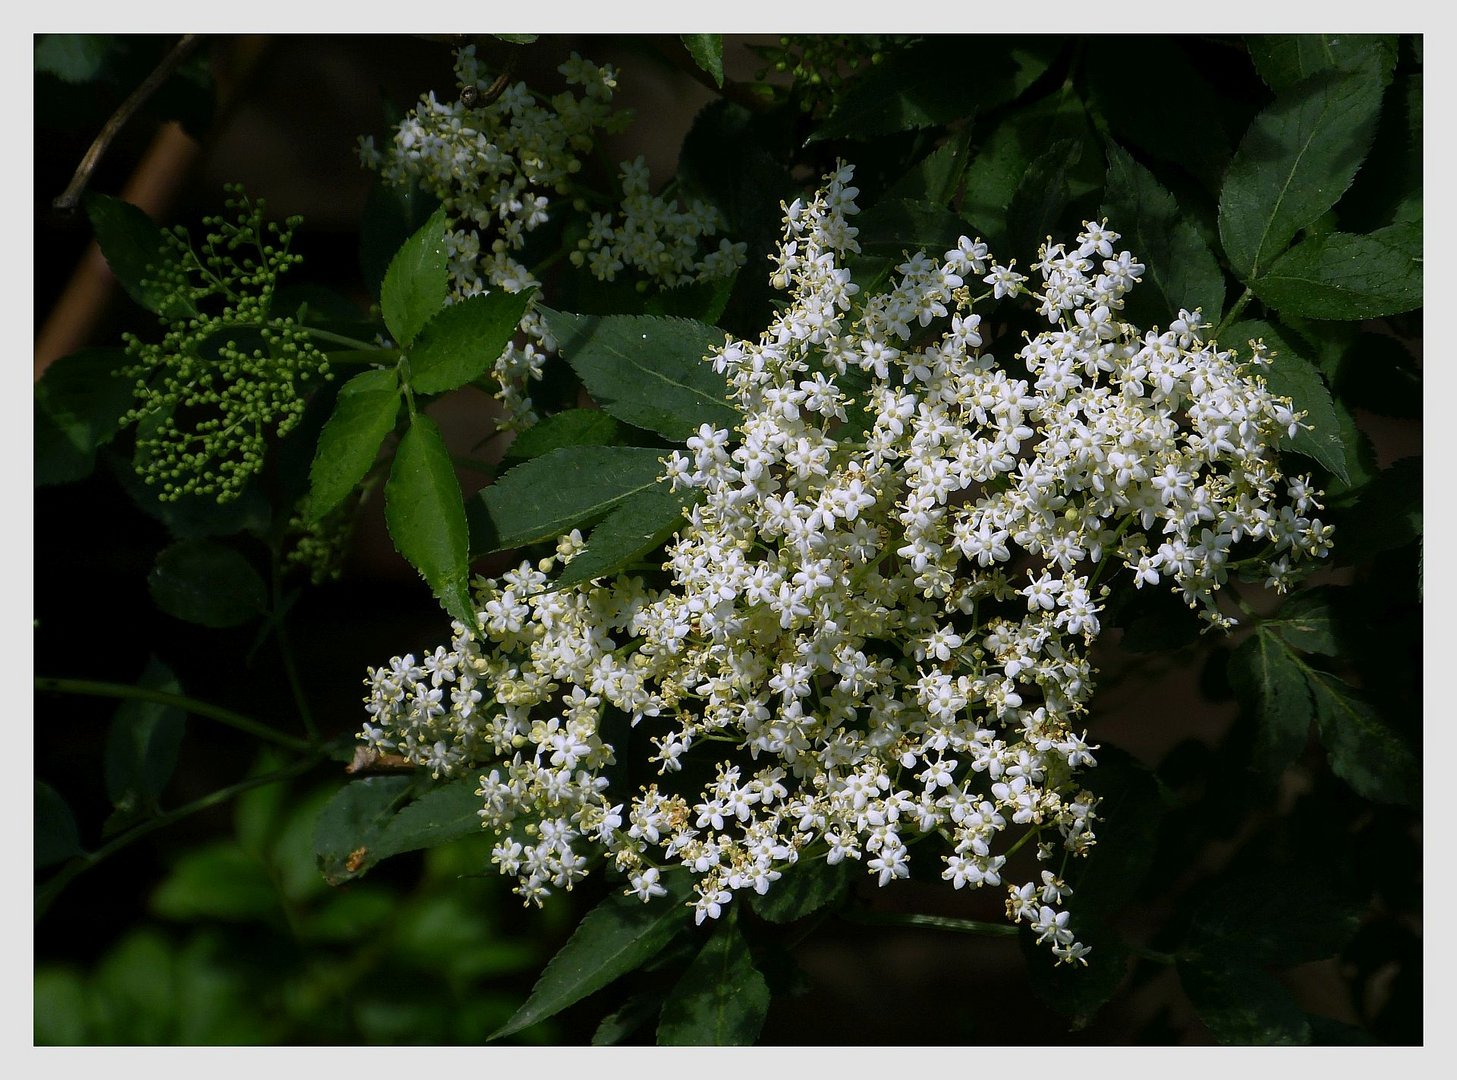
[821, 64]
[227, 375]
[320, 547]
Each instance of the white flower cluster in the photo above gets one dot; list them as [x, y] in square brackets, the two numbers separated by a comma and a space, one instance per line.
[496, 167]
[874, 626]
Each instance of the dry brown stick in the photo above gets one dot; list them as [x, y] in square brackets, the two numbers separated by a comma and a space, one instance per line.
[71, 197]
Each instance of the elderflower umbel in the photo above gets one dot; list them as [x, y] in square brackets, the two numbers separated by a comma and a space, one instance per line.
[499, 165]
[875, 623]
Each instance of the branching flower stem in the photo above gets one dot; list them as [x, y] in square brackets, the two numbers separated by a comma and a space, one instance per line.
[91, 688]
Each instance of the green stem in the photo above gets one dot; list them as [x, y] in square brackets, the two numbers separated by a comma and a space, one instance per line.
[340, 339]
[931, 922]
[1234, 313]
[73, 869]
[91, 688]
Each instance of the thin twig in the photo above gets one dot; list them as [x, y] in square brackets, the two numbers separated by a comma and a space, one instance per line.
[71, 197]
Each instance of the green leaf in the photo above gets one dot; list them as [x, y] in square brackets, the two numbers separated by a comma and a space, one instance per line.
[134, 247]
[1284, 60]
[1297, 158]
[636, 526]
[550, 495]
[56, 836]
[58, 1005]
[352, 823]
[1277, 915]
[1291, 375]
[1307, 620]
[1243, 1006]
[363, 416]
[721, 1000]
[218, 881]
[142, 742]
[1363, 749]
[516, 39]
[617, 936]
[803, 889]
[1181, 270]
[368, 821]
[571, 427]
[707, 53]
[647, 371]
[463, 341]
[1270, 685]
[426, 516]
[416, 283]
[79, 404]
[208, 583]
[1345, 276]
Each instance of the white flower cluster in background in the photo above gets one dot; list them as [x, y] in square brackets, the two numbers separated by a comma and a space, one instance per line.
[501, 166]
[872, 637]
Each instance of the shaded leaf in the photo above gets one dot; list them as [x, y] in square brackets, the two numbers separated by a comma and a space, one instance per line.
[1345, 276]
[416, 282]
[1284, 60]
[1181, 271]
[134, 247]
[1277, 915]
[707, 53]
[571, 427]
[208, 583]
[218, 881]
[1387, 514]
[1307, 620]
[1075, 991]
[633, 1014]
[638, 525]
[365, 413]
[1042, 194]
[56, 836]
[1271, 687]
[392, 214]
[79, 404]
[142, 742]
[562, 489]
[1363, 749]
[1243, 1006]
[1297, 158]
[647, 371]
[351, 824]
[426, 516]
[1001, 160]
[721, 1000]
[1130, 810]
[1291, 375]
[936, 177]
[74, 58]
[803, 889]
[916, 86]
[617, 936]
[895, 227]
[192, 516]
[1185, 128]
[463, 340]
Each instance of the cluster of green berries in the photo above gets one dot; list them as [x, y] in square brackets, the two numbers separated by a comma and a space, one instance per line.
[320, 547]
[821, 64]
[227, 374]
